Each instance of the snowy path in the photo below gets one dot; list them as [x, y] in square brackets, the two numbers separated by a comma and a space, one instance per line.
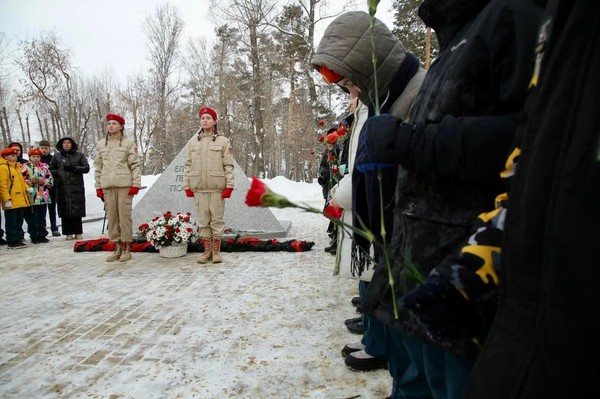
[259, 325]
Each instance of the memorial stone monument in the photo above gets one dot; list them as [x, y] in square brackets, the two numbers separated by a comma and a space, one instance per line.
[167, 194]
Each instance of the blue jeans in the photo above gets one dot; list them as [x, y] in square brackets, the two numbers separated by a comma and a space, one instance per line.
[406, 366]
[374, 338]
[447, 374]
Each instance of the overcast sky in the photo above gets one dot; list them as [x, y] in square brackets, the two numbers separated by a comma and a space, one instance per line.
[107, 35]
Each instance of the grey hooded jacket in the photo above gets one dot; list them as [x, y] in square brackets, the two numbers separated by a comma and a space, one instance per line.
[346, 49]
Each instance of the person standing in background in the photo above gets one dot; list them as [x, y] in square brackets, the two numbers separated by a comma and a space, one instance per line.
[327, 181]
[68, 167]
[13, 196]
[39, 179]
[19, 147]
[208, 178]
[44, 145]
[117, 179]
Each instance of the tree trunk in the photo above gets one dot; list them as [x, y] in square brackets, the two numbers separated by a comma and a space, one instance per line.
[428, 48]
[46, 136]
[6, 125]
[26, 143]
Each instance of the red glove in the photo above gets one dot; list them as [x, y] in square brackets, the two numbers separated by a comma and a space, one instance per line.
[227, 192]
[133, 191]
[99, 193]
[189, 193]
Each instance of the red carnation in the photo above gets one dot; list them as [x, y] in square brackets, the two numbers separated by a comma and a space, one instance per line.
[331, 138]
[321, 123]
[297, 245]
[331, 157]
[257, 190]
[189, 229]
[321, 138]
[333, 212]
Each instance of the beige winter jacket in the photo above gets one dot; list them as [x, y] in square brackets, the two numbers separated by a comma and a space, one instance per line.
[208, 163]
[117, 163]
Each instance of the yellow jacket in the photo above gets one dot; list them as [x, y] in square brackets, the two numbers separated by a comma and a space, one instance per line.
[12, 185]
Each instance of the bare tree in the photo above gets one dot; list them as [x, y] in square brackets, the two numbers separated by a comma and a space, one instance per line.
[163, 32]
[47, 68]
[252, 17]
[4, 88]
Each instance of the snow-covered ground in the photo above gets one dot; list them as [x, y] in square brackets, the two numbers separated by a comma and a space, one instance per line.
[259, 325]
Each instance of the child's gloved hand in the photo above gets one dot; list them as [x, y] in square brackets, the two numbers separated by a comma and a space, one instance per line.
[226, 193]
[446, 313]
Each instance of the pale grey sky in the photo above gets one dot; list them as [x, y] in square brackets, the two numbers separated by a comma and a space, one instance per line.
[107, 34]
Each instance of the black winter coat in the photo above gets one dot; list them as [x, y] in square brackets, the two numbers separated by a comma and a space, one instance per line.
[465, 119]
[544, 340]
[70, 189]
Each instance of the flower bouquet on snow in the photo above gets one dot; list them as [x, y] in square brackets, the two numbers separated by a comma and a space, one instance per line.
[170, 229]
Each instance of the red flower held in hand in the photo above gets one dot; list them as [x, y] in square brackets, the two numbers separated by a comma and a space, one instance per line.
[331, 138]
[257, 190]
[333, 212]
[260, 195]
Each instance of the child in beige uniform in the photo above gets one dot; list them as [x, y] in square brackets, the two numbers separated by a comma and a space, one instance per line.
[117, 180]
[208, 177]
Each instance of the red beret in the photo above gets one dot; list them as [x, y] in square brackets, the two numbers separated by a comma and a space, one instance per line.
[208, 110]
[115, 117]
[9, 151]
[35, 151]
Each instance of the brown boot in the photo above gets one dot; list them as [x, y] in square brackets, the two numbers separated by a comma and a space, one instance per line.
[216, 250]
[117, 253]
[126, 255]
[206, 256]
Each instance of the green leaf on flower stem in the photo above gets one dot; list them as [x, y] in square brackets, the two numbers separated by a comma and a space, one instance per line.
[373, 7]
[412, 272]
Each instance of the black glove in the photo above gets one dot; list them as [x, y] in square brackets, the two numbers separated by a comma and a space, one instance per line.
[68, 167]
[446, 313]
[382, 143]
[321, 180]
